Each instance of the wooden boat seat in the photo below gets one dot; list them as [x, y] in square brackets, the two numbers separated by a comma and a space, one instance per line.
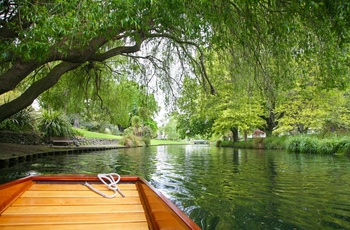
[61, 205]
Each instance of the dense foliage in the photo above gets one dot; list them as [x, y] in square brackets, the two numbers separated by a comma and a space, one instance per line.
[284, 69]
[23, 121]
[296, 144]
[138, 134]
[55, 124]
[42, 41]
[273, 65]
[110, 102]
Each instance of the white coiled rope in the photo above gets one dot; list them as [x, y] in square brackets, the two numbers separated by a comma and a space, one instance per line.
[112, 185]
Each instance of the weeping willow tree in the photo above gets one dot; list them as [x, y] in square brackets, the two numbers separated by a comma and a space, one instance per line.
[266, 47]
[42, 41]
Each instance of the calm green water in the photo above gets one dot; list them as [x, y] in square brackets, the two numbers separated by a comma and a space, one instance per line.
[226, 188]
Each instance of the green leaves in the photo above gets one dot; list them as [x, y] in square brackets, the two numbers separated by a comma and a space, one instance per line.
[100, 96]
[54, 124]
[261, 50]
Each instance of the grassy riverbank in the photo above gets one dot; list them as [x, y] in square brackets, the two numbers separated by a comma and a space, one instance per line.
[88, 134]
[297, 144]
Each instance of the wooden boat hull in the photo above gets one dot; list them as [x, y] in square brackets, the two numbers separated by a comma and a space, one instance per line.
[64, 202]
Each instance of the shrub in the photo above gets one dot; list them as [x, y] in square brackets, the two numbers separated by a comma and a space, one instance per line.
[305, 144]
[308, 145]
[327, 146]
[147, 134]
[302, 144]
[54, 124]
[21, 121]
[346, 149]
[131, 141]
[227, 144]
[275, 142]
[239, 144]
[109, 129]
[293, 144]
[258, 143]
[91, 126]
[266, 143]
[246, 144]
[343, 146]
[146, 141]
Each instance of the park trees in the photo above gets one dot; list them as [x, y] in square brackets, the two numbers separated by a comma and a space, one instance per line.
[271, 48]
[312, 110]
[42, 41]
[194, 118]
[310, 106]
[103, 100]
[288, 43]
[169, 130]
[236, 106]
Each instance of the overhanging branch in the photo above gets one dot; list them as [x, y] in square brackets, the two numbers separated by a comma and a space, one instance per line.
[37, 88]
[11, 78]
[119, 50]
[203, 72]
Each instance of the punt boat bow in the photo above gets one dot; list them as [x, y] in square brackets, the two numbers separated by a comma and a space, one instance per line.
[64, 202]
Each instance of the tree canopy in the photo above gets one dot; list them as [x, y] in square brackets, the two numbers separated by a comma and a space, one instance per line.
[275, 54]
[42, 41]
[271, 43]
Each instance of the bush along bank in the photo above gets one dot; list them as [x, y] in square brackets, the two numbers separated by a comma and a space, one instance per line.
[307, 144]
[296, 144]
[258, 143]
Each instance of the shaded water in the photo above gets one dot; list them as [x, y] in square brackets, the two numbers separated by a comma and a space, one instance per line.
[226, 188]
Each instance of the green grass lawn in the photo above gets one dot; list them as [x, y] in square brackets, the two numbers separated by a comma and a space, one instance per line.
[167, 142]
[89, 134]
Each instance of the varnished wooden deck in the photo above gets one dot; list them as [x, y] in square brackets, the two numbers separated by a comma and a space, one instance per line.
[74, 206]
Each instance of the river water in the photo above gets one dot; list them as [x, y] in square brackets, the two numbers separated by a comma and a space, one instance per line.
[224, 188]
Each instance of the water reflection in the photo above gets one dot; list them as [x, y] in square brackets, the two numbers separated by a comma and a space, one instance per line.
[226, 188]
[236, 163]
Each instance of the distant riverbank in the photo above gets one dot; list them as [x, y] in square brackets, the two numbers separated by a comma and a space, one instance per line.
[297, 144]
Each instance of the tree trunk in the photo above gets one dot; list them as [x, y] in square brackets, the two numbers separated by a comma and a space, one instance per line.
[235, 134]
[271, 122]
[245, 135]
